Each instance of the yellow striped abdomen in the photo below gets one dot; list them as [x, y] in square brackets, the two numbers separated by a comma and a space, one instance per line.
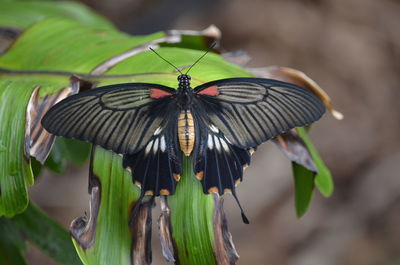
[186, 132]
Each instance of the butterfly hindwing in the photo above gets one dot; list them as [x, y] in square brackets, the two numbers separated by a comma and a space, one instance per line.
[157, 167]
[250, 111]
[121, 118]
[217, 163]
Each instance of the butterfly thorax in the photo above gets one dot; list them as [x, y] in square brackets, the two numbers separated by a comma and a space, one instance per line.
[184, 81]
[185, 92]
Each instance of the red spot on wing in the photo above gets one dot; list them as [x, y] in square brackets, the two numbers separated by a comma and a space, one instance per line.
[158, 93]
[209, 91]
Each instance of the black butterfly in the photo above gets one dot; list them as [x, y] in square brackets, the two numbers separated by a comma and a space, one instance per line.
[220, 123]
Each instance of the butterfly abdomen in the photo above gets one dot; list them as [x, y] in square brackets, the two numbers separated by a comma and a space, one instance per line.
[186, 132]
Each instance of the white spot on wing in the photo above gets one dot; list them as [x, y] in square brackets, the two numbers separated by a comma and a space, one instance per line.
[224, 145]
[213, 128]
[148, 147]
[210, 142]
[227, 140]
[163, 146]
[158, 130]
[155, 146]
[217, 144]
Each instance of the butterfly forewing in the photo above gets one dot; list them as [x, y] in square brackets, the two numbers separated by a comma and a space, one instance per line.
[137, 120]
[121, 118]
[250, 111]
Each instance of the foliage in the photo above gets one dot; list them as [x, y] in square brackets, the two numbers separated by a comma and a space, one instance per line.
[57, 47]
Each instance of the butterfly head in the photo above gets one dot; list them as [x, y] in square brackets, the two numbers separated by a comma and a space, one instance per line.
[184, 81]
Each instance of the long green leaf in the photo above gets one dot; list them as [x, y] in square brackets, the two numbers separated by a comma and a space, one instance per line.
[15, 171]
[12, 245]
[323, 180]
[21, 14]
[192, 220]
[67, 150]
[112, 240]
[64, 45]
[304, 187]
[47, 235]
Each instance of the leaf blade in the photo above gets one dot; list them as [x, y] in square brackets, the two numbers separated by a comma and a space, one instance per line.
[12, 245]
[47, 235]
[304, 187]
[323, 180]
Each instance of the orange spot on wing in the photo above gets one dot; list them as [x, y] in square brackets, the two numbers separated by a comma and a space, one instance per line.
[200, 175]
[227, 191]
[158, 93]
[237, 182]
[213, 190]
[177, 177]
[209, 91]
[164, 192]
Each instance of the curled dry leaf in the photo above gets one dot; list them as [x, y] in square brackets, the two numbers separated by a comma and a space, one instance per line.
[164, 226]
[224, 248]
[38, 141]
[8, 35]
[211, 31]
[141, 231]
[240, 57]
[295, 149]
[211, 34]
[83, 229]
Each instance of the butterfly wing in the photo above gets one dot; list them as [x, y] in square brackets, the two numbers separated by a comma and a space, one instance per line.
[121, 118]
[157, 167]
[236, 115]
[250, 111]
[217, 163]
[137, 120]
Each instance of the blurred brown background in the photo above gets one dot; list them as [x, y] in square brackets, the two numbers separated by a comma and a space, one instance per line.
[351, 48]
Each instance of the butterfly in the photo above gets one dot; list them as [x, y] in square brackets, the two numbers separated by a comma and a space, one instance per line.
[219, 124]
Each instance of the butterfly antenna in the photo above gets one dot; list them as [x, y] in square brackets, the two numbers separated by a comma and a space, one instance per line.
[201, 57]
[244, 217]
[176, 68]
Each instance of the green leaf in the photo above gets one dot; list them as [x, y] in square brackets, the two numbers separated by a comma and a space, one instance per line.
[47, 235]
[323, 180]
[21, 14]
[36, 167]
[192, 220]
[67, 150]
[211, 67]
[304, 186]
[65, 45]
[47, 47]
[112, 239]
[15, 170]
[77, 152]
[56, 161]
[12, 245]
